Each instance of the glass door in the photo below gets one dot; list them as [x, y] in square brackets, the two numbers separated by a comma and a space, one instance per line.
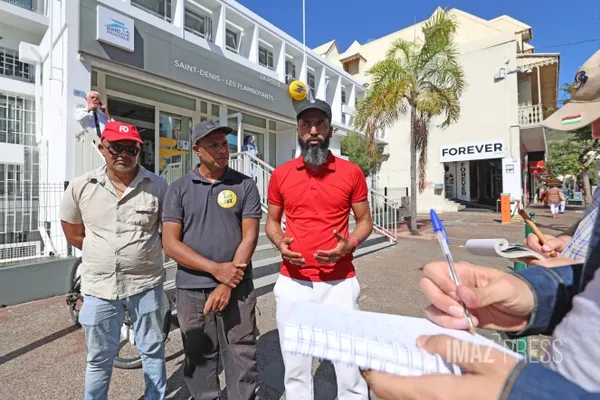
[142, 117]
[175, 147]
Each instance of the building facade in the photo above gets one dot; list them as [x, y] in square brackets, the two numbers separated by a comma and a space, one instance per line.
[489, 150]
[19, 151]
[163, 66]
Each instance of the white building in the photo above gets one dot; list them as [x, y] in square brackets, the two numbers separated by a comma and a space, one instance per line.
[488, 151]
[19, 155]
[165, 65]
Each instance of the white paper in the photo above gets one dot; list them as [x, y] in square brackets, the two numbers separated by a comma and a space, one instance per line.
[377, 341]
[499, 248]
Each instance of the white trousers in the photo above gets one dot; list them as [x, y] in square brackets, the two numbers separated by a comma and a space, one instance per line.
[298, 377]
[554, 208]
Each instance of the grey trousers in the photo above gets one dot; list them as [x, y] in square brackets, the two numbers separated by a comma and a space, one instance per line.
[232, 332]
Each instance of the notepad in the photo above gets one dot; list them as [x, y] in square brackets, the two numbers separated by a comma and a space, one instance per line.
[499, 248]
[369, 340]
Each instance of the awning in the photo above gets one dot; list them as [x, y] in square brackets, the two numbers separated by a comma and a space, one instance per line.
[533, 60]
[352, 57]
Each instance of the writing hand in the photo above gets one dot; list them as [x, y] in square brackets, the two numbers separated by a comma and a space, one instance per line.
[485, 372]
[218, 299]
[330, 256]
[497, 300]
[556, 244]
[287, 254]
[229, 273]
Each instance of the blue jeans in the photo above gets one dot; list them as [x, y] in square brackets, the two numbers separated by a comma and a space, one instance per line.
[102, 320]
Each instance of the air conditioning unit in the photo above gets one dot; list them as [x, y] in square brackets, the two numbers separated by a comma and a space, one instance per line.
[19, 251]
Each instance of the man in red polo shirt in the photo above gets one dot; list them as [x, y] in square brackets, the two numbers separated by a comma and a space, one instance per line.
[317, 191]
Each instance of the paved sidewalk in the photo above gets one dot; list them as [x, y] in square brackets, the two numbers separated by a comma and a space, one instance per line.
[42, 355]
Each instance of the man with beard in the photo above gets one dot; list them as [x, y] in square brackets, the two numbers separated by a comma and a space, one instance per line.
[112, 214]
[317, 191]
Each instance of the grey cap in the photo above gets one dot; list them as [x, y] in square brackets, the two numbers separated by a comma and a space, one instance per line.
[312, 104]
[204, 128]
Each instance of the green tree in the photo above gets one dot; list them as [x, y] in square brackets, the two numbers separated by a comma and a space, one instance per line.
[356, 147]
[577, 155]
[423, 78]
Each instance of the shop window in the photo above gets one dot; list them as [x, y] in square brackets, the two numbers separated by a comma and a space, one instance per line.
[272, 149]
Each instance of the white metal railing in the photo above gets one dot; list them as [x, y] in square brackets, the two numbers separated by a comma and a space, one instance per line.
[530, 115]
[87, 155]
[172, 172]
[385, 212]
[259, 170]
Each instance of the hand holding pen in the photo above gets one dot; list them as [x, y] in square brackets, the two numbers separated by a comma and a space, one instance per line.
[440, 232]
[484, 297]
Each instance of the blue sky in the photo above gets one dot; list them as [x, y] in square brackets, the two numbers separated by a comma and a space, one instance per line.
[554, 22]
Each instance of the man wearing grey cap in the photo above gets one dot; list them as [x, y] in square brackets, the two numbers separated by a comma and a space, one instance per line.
[210, 228]
[317, 191]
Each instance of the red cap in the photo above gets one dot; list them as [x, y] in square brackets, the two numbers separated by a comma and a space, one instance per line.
[115, 131]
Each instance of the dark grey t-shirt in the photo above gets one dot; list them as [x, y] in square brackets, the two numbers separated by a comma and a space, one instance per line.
[211, 215]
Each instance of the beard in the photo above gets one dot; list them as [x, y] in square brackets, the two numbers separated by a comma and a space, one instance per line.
[315, 156]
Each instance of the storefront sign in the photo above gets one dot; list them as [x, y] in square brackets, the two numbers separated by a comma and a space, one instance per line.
[163, 54]
[472, 151]
[115, 29]
[464, 189]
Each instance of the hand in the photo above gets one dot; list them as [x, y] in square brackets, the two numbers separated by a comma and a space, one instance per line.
[218, 299]
[497, 300]
[92, 105]
[344, 246]
[287, 254]
[229, 273]
[557, 244]
[486, 370]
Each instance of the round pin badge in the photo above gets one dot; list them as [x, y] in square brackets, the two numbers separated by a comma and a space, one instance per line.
[227, 199]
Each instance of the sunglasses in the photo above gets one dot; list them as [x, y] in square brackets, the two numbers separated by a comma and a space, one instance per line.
[115, 149]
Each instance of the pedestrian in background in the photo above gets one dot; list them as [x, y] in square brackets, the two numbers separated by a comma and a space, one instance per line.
[210, 228]
[553, 197]
[95, 115]
[112, 214]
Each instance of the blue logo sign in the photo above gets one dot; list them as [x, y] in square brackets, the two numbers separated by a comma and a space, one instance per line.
[118, 29]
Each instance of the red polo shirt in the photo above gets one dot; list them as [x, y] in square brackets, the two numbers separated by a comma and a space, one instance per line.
[316, 203]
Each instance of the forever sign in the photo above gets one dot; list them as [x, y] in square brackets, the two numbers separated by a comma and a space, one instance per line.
[472, 151]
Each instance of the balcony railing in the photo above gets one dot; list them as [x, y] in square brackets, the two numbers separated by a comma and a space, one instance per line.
[530, 115]
[11, 67]
[26, 4]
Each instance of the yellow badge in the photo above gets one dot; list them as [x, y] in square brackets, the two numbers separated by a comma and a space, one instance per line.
[227, 199]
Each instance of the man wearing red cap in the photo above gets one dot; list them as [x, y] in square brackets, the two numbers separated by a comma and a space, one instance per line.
[113, 215]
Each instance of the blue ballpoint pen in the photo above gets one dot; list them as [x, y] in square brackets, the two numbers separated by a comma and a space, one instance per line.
[440, 232]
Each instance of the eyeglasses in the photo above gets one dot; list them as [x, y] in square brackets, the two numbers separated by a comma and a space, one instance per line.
[115, 149]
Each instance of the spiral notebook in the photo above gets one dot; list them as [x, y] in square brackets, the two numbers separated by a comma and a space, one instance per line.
[381, 342]
[499, 248]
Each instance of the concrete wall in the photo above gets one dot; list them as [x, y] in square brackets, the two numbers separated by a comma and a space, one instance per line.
[35, 281]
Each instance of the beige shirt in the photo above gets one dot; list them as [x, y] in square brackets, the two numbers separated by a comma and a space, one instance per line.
[122, 251]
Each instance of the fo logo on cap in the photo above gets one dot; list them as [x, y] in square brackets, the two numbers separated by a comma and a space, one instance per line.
[297, 90]
[124, 128]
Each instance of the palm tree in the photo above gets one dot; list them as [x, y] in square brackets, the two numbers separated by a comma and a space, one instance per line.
[424, 78]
